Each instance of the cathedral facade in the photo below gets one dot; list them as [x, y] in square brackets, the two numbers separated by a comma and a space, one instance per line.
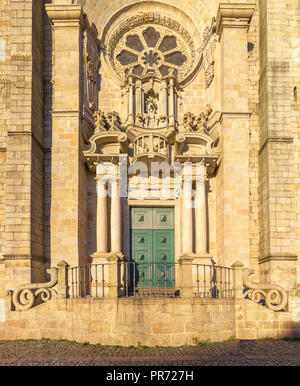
[152, 134]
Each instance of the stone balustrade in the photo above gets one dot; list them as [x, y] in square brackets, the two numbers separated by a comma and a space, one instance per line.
[151, 145]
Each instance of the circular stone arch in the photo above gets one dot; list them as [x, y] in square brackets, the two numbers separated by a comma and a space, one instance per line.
[195, 17]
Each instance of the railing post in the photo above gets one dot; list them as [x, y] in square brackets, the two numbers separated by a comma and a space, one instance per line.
[185, 277]
[113, 275]
[62, 283]
[237, 270]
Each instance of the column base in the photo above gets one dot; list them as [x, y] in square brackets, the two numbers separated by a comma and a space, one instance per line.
[106, 255]
[203, 258]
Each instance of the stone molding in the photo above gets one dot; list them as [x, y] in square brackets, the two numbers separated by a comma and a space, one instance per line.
[38, 259]
[276, 140]
[234, 16]
[284, 257]
[65, 15]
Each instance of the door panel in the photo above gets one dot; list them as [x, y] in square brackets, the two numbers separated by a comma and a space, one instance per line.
[163, 218]
[141, 253]
[152, 246]
[163, 253]
[141, 218]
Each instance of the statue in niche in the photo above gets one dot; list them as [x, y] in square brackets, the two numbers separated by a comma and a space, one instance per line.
[152, 119]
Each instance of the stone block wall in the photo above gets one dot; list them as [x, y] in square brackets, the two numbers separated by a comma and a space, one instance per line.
[125, 322]
[268, 183]
[276, 155]
[21, 159]
[151, 322]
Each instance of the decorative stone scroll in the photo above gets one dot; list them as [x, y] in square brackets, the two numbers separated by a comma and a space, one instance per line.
[275, 297]
[24, 296]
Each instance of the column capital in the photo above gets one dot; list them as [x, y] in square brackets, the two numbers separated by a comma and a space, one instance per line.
[234, 16]
[65, 15]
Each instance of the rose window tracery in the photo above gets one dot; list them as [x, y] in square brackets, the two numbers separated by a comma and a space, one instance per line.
[155, 49]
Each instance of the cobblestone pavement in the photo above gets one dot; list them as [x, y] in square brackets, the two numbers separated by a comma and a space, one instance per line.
[65, 353]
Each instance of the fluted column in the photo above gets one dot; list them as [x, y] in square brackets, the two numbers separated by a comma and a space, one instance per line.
[187, 218]
[138, 97]
[164, 99]
[172, 102]
[102, 229]
[201, 213]
[116, 217]
[130, 100]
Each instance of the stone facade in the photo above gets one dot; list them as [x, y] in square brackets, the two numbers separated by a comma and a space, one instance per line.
[85, 86]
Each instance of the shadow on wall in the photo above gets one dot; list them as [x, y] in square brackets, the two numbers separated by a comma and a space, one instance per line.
[48, 92]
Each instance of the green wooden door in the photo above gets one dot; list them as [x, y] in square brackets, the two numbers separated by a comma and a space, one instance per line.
[152, 246]
[163, 255]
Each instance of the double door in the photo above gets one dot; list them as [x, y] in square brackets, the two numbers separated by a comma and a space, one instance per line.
[152, 247]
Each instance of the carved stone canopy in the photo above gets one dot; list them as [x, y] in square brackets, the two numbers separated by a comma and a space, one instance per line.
[106, 146]
[193, 144]
[196, 147]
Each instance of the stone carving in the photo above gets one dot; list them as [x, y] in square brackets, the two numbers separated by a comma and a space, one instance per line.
[151, 105]
[153, 144]
[154, 48]
[109, 122]
[92, 64]
[209, 31]
[100, 121]
[191, 123]
[209, 50]
[209, 75]
[24, 296]
[275, 296]
[114, 121]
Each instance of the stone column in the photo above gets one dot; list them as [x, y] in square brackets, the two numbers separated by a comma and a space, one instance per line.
[187, 218]
[138, 97]
[201, 213]
[130, 100]
[171, 102]
[102, 229]
[68, 195]
[116, 217]
[164, 99]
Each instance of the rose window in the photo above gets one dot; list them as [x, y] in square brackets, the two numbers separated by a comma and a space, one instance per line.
[151, 49]
[150, 58]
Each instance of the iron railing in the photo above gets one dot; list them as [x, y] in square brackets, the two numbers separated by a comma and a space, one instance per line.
[213, 281]
[87, 280]
[149, 279]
